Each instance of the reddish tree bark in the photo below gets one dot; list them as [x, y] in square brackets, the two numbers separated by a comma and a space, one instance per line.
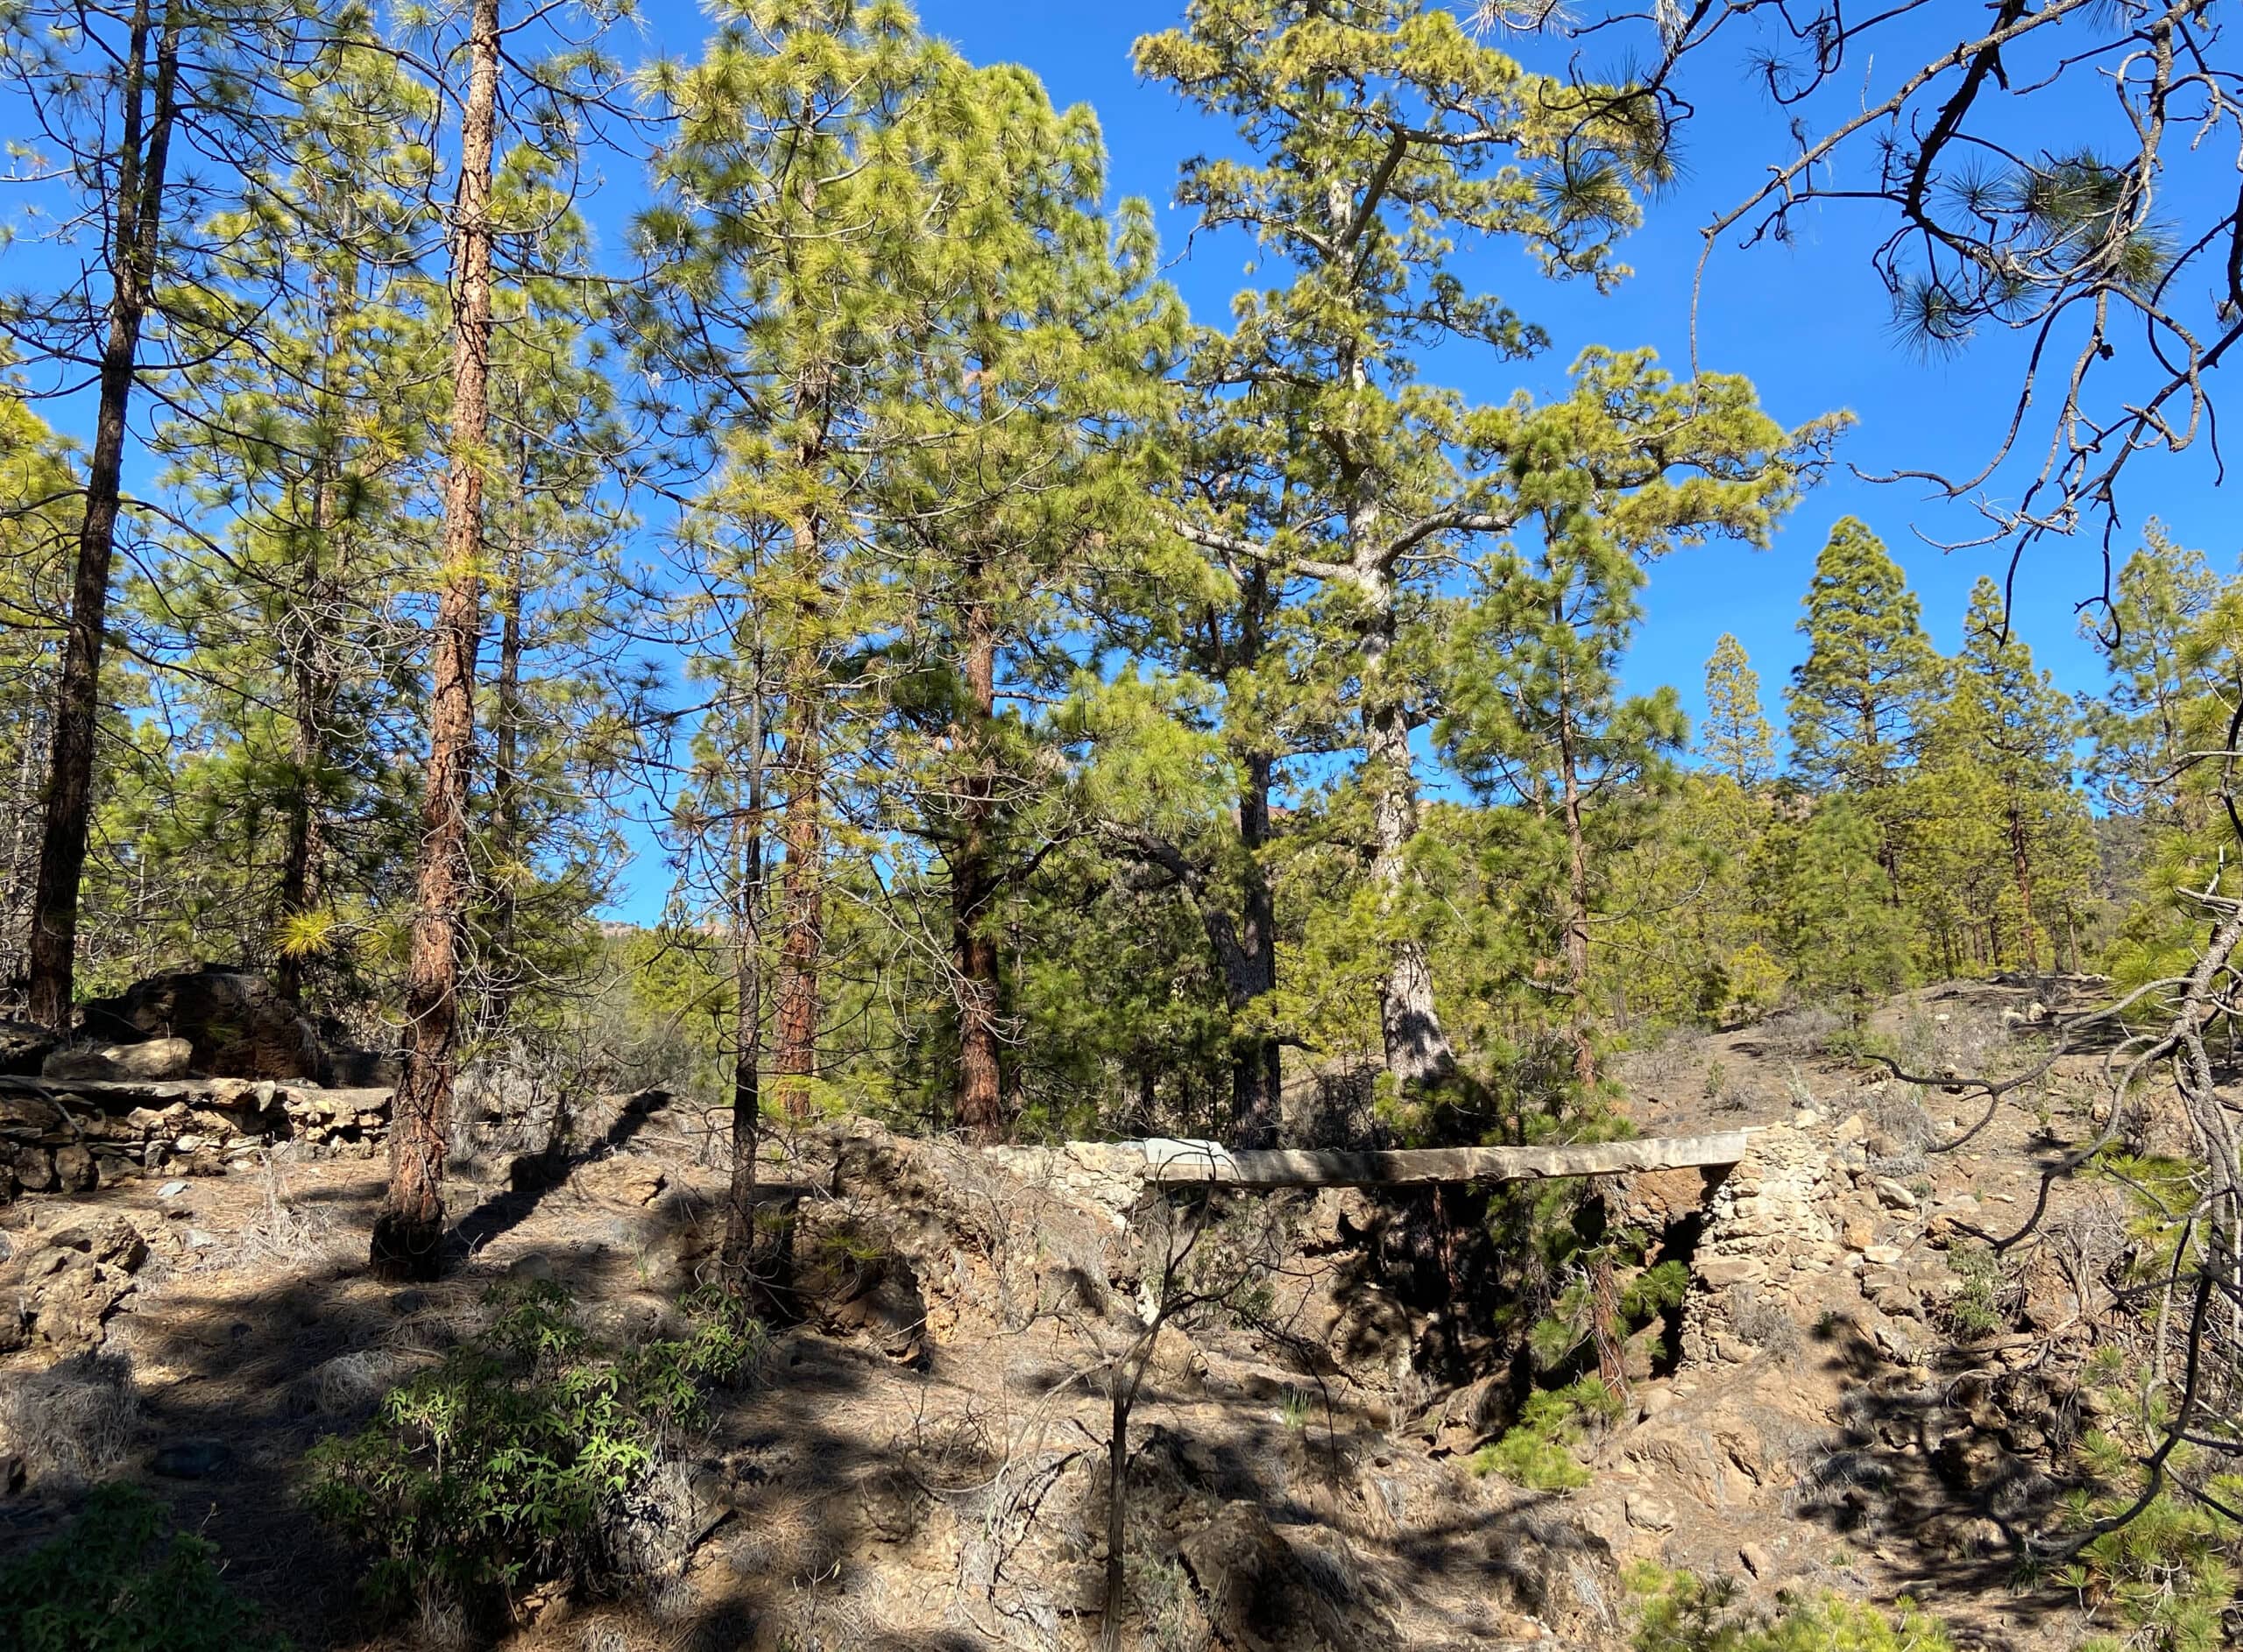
[408, 1231]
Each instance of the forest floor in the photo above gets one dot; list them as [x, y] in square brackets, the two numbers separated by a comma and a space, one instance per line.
[918, 1462]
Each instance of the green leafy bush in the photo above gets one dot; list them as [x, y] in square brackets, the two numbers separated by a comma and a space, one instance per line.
[121, 1580]
[1680, 1612]
[518, 1458]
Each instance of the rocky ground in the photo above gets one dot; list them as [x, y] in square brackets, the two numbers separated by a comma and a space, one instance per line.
[919, 1463]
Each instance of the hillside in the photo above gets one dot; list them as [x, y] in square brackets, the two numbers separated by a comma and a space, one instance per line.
[919, 1460]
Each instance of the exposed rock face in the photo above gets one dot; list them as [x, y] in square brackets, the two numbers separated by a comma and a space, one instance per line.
[236, 1022]
[72, 1282]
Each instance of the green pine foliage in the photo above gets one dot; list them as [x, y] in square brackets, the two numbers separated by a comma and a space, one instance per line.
[1680, 1612]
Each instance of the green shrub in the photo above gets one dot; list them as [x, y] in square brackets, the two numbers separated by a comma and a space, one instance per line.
[1537, 1453]
[2168, 1575]
[121, 1580]
[1680, 1612]
[1975, 1311]
[520, 1459]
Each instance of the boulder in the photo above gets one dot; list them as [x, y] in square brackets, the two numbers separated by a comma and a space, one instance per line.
[236, 1021]
[149, 1059]
[23, 1045]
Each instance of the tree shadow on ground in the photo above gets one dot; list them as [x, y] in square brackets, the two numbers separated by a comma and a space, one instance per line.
[1907, 1473]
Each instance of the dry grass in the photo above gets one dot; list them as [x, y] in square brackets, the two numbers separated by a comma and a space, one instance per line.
[289, 1235]
[72, 1423]
[1765, 1323]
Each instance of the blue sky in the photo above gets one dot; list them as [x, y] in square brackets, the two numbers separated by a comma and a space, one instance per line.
[1805, 321]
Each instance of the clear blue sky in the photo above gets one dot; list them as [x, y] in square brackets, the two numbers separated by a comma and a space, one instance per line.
[1805, 322]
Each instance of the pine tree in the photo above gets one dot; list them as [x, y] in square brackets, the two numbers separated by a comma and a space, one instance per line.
[1628, 467]
[1858, 699]
[1839, 934]
[37, 489]
[1381, 134]
[287, 680]
[2164, 592]
[2008, 721]
[408, 1230]
[1736, 739]
[123, 96]
[1010, 494]
[797, 210]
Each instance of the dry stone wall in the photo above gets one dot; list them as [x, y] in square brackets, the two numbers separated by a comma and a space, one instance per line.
[71, 1135]
[1770, 1219]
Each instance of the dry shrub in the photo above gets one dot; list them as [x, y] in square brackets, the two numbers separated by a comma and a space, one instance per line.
[288, 1234]
[73, 1421]
[1765, 1322]
[1901, 1131]
[1797, 1033]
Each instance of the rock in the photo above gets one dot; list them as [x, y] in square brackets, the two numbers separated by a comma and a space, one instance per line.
[77, 1061]
[1758, 1561]
[1861, 1231]
[30, 1116]
[108, 1239]
[74, 1170]
[1852, 1127]
[67, 1295]
[236, 1021]
[171, 1189]
[1721, 1271]
[25, 1046]
[1879, 1283]
[1892, 1196]
[1883, 1255]
[142, 1060]
[1646, 1513]
[191, 1460]
[151, 1058]
[33, 1170]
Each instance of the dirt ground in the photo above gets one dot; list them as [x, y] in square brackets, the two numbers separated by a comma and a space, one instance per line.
[918, 1463]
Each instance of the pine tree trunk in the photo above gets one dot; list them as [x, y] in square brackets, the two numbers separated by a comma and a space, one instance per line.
[2021, 862]
[1576, 896]
[303, 850]
[981, 1099]
[801, 898]
[736, 1258]
[1416, 1047]
[507, 812]
[1258, 1069]
[312, 674]
[408, 1232]
[148, 111]
[802, 759]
